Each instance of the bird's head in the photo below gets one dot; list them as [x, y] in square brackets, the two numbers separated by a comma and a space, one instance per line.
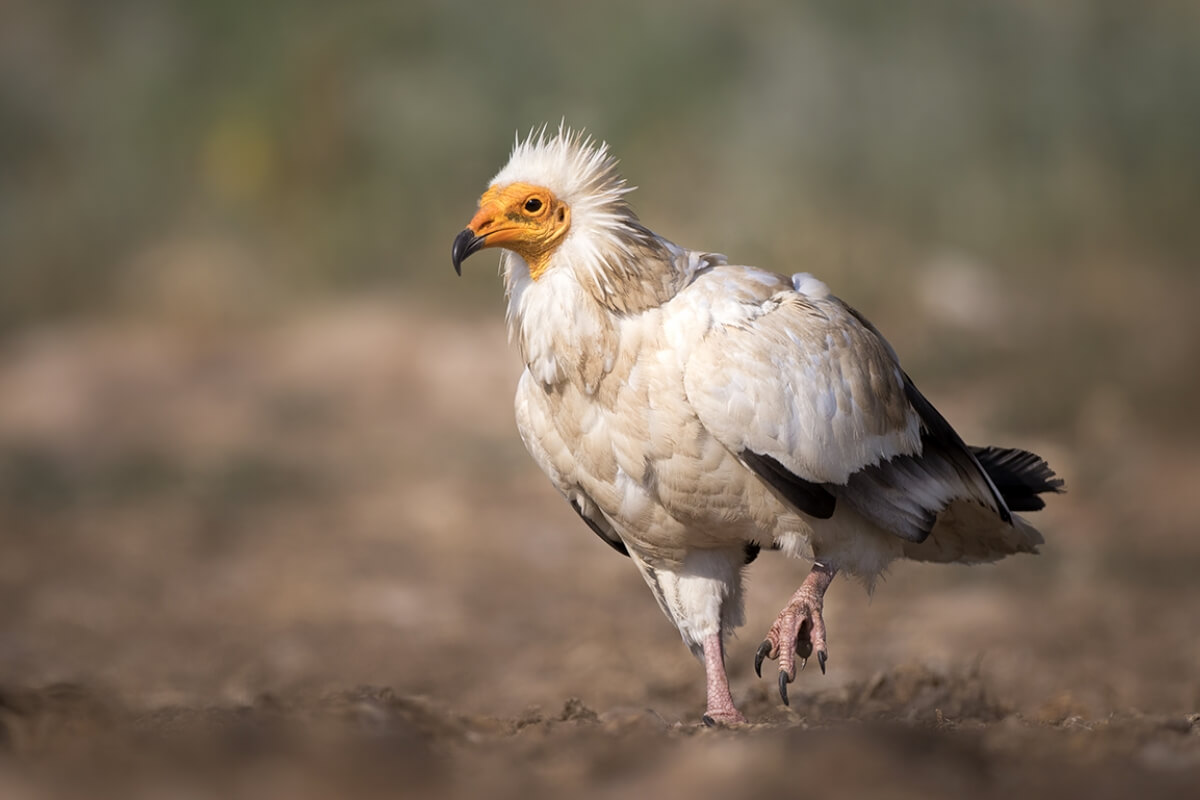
[522, 217]
[556, 189]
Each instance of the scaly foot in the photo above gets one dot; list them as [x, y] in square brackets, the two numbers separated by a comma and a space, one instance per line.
[721, 710]
[799, 629]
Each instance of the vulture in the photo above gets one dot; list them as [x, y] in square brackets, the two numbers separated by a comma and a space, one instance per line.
[694, 411]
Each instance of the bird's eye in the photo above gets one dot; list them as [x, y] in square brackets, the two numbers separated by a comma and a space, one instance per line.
[533, 205]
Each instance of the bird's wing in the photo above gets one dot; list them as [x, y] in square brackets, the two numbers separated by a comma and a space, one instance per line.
[809, 396]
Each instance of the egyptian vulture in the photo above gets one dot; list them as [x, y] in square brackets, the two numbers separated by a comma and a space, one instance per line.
[693, 412]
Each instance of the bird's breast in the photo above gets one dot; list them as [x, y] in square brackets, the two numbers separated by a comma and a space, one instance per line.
[637, 450]
[606, 414]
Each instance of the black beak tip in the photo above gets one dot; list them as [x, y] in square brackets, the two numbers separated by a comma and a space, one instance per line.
[465, 244]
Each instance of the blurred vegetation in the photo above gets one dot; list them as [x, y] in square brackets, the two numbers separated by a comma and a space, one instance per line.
[218, 158]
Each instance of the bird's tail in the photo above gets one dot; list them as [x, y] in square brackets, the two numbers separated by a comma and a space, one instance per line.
[967, 532]
[1019, 476]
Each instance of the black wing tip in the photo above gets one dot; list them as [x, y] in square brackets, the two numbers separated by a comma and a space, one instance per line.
[1018, 476]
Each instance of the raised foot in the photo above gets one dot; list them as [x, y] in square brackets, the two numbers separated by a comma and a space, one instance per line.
[799, 630]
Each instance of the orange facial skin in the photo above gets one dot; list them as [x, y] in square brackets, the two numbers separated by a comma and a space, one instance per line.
[528, 220]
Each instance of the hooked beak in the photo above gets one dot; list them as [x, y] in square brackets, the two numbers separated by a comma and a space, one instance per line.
[466, 243]
[488, 228]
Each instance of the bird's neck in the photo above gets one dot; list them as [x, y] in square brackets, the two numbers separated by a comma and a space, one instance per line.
[632, 273]
[567, 322]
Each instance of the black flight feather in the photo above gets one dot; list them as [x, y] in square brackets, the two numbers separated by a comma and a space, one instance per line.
[811, 498]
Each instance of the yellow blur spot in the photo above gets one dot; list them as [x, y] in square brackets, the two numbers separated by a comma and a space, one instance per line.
[238, 158]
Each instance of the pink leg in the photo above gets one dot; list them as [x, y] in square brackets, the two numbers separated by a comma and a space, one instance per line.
[720, 703]
[799, 629]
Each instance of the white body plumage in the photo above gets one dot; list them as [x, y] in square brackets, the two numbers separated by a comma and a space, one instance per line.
[693, 411]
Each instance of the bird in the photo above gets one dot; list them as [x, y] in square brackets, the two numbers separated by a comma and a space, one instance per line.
[694, 412]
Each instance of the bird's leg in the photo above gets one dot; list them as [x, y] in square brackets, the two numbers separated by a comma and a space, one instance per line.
[720, 703]
[799, 629]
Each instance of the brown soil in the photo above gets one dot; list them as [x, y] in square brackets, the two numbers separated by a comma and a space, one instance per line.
[314, 561]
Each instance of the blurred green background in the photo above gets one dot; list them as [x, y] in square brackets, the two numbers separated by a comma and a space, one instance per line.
[221, 162]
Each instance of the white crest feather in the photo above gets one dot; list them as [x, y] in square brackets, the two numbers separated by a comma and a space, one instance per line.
[572, 165]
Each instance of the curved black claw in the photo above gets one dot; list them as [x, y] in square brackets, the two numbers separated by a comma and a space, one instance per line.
[783, 682]
[708, 721]
[763, 649]
[821, 659]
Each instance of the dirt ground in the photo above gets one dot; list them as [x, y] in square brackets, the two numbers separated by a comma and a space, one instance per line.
[311, 559]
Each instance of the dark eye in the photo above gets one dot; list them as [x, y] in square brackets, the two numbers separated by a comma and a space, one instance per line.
[533, 205]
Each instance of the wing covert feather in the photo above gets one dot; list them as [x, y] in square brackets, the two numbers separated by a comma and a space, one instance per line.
[803, 381]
